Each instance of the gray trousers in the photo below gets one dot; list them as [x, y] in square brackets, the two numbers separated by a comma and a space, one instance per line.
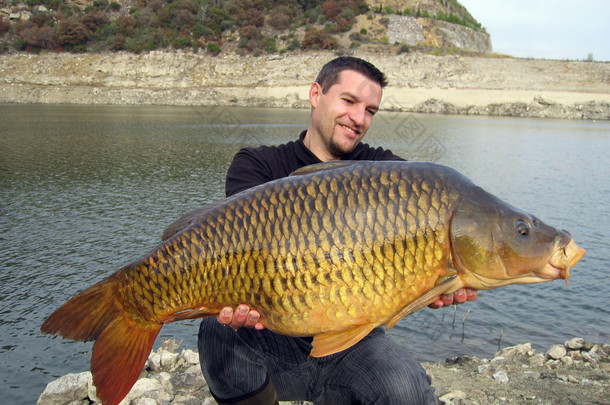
[238, 364]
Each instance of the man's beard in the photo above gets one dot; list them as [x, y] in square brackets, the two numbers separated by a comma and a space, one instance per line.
[338, 150]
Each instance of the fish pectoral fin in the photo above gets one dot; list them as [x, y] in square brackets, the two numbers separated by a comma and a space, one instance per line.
[448, 285]
[333, 342]
[192, 313]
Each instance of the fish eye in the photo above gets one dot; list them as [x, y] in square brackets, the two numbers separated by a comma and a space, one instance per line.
[522, 227]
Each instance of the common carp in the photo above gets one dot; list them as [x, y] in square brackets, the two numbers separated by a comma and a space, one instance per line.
[332, 251]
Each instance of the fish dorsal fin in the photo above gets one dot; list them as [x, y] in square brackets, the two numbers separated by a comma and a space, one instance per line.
[183, 222]
[320, 167]
[448, 285]
[333, 342]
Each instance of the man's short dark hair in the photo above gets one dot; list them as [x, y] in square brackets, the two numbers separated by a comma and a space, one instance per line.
[329, 74]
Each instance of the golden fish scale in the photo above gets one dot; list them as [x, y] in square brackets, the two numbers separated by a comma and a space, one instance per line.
[312, 253]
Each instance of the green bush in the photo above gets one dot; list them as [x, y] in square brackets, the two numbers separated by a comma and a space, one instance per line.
[213, 48]
[181, 42]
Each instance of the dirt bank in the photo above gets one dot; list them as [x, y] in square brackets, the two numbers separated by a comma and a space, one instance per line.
[418, 82]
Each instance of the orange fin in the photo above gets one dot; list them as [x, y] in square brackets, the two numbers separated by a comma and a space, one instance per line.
[123, 344]
[448, 285]
[86, 315]
[119, 355]
[194, 313]
[333, 342]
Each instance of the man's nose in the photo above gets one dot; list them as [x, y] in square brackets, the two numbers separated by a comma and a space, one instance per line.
[358, 115]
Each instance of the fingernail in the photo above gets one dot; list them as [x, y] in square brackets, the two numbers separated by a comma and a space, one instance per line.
[242, 310]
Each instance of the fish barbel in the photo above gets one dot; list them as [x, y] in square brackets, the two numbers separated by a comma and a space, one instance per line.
[332, 251]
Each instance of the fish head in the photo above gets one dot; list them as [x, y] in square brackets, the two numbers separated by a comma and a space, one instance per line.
[494, 244]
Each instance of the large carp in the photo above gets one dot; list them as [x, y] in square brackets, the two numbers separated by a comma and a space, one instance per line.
[332, 251]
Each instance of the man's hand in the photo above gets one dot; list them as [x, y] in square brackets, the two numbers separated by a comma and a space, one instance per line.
[458, 297]
[242, 316]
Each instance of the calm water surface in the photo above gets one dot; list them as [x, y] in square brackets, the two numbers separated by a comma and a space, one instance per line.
[88, 189]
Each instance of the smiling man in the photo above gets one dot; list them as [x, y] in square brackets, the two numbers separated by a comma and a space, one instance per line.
[248, 364]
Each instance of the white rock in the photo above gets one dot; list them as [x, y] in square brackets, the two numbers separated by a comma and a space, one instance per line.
[169, 360]
[165, 380]
[147, 387]
[552, 364]
[66, 389]
[144, 401]
[501, 376]
[556, 352]
[486, 369]
[453, 397]
[154, 362]
[521, 349]
[190, 356]
[575, 343]
[537, 360]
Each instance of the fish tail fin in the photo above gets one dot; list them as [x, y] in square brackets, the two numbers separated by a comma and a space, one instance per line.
[123, 339]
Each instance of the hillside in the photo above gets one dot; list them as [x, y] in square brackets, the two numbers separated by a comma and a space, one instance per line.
[255, 27]
[434, 52]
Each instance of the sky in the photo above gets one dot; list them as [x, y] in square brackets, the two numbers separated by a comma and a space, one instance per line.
[546, 29]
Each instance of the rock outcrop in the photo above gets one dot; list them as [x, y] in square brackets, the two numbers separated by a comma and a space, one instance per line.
[418, 82]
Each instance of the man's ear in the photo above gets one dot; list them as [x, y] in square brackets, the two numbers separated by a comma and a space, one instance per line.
[315, 91]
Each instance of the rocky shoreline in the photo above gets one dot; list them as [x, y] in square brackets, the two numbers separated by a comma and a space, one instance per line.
[419, 82]
[576, 372]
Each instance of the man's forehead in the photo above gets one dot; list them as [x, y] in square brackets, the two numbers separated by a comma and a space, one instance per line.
[358, 84]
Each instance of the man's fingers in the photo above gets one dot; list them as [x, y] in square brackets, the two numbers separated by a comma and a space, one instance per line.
[239, 316]
[459, 297]
[252, 319]
[226, 315]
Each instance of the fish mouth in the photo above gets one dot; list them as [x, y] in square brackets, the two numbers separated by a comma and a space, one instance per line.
[561, 261]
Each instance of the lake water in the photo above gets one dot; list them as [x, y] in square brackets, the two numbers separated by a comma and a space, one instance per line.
[87, 189]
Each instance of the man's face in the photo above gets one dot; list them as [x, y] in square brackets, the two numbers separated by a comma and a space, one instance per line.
[341, 116]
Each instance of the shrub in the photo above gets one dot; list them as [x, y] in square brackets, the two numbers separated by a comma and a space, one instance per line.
[94, 20]
[72, 33]
[318, 39]
[404, 48]
[4, 26]
[181, 42]
[213, 48]
[116, 42]
[270, 46]
[280, 18]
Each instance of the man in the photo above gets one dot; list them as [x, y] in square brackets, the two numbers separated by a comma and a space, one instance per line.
[251, 365]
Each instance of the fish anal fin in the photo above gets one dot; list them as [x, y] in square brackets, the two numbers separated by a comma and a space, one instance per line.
[448, 285]
[119, 355]
[192, 313]
[328, 343]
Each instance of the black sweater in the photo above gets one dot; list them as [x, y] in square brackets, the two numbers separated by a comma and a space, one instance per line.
[254, 166]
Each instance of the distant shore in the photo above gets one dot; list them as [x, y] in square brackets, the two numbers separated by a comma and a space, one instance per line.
[418, 82]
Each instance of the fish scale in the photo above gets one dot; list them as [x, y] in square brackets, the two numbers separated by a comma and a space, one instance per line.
[331, 252]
